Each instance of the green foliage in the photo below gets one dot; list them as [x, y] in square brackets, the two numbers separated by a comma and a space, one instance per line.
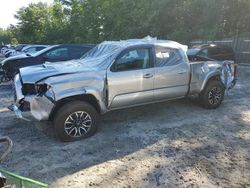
[14, 41]
[5, 37]
[92, 21]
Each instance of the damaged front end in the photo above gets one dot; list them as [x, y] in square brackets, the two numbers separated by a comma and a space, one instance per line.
[229, 74]
[32, 101]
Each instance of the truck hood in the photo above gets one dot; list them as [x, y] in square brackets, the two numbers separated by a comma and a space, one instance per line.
[37, 73]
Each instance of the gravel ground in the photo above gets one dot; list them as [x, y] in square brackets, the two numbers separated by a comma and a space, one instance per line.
[172, 144]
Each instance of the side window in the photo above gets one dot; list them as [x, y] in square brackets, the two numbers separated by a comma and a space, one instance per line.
[203, 53]
[167, 57]
[39, 48]
[58, 53]
[132, 60]
[31, 50]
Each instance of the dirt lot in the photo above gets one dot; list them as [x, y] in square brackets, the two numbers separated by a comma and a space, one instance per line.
[172, 144]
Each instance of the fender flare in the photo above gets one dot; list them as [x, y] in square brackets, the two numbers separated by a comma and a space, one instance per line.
[208, 77]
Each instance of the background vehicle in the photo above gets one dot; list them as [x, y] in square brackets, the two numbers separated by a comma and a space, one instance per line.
[30, 49]
[7, 50]
[54, 53]
[211, 52]
[2, 46]
[112, 76]
[17, 48]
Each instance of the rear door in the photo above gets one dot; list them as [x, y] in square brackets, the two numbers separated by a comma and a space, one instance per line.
[130, 78]
[172, 73]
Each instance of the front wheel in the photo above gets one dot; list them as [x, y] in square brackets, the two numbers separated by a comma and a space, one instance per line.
[75, 120]
[213, 94]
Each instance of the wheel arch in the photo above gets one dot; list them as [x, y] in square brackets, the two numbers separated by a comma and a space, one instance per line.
[213, 76]
[89, 98]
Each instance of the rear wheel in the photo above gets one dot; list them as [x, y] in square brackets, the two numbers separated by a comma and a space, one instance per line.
[213, 94]
[75, 120]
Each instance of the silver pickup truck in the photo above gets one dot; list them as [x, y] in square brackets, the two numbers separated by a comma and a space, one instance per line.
[112, 76]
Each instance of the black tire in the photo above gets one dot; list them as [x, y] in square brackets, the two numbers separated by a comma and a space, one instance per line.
[71, 112]
[213, 94]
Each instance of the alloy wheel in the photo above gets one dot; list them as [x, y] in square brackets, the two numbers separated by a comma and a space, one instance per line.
[78, 124]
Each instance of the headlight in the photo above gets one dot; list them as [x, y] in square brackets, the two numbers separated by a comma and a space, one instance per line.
[28, 89]
[50, 94]
[41, 89]
[32, 89]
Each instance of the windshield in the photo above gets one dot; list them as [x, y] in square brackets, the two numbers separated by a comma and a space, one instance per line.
[101, 54]
[101, 50]
[193, 51]
[25, 48]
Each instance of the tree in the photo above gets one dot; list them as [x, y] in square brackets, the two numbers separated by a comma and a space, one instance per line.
[32, 23]
[93, 21]
[5, 37]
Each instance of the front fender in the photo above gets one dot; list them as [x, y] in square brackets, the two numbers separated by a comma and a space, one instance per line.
[94, 91]
[202, 72]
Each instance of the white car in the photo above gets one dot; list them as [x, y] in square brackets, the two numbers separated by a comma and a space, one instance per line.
[30, 49]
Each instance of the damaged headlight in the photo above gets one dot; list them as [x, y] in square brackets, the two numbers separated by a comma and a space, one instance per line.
[29, 89]
[39, 90]
[46, 90]
[32, 89]
[50, 94]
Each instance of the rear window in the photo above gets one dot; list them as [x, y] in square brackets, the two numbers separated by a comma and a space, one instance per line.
[167, 57]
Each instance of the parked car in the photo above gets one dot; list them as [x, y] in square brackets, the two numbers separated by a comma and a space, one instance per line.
[30, 49]
[5, 51]
[53, 53]
[16, 48]
[2, 46]
[19, 47]
[211, 52]
[112, 76]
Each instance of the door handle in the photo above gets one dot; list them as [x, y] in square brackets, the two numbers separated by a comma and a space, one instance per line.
[148, 76]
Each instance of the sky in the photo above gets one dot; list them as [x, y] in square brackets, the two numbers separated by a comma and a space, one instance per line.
[8, 9]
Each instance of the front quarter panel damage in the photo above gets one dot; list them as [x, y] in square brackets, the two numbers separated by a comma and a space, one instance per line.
[40, 107]
[63, 87]
[201, 73]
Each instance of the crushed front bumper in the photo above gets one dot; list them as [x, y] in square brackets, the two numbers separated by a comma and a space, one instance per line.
[27, 116]
[30, 107]
[33, 108]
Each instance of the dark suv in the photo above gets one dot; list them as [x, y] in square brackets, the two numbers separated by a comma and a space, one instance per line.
[211, 52]
[56, 53]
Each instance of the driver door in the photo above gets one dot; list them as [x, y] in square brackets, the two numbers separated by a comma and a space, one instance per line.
[131, 78]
